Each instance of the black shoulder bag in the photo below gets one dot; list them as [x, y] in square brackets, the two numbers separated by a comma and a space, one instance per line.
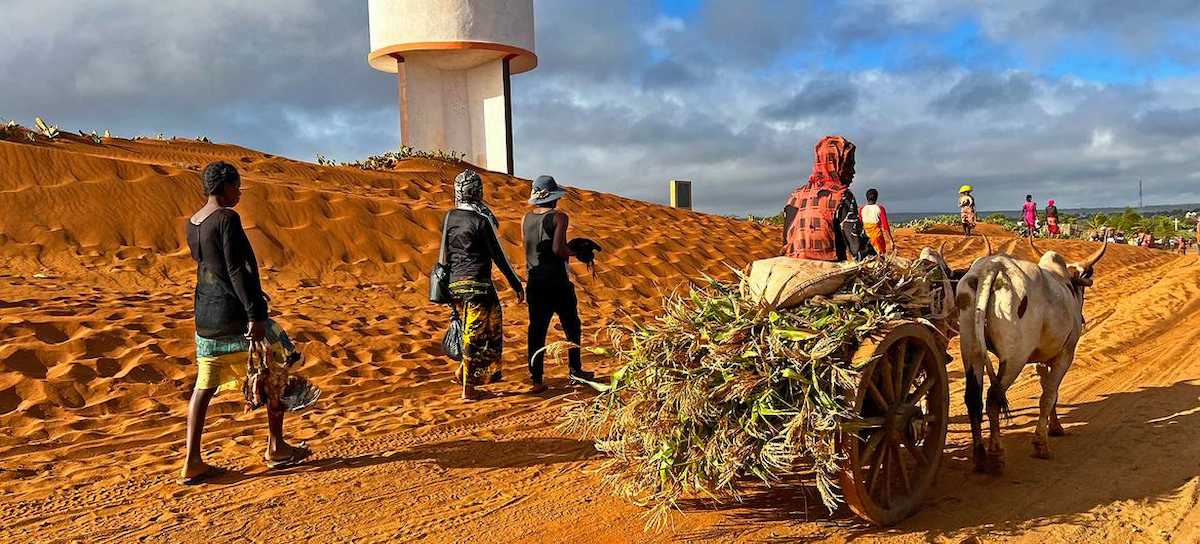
[439, 278]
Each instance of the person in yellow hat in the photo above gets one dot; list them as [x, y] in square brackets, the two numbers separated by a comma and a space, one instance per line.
[966, 209]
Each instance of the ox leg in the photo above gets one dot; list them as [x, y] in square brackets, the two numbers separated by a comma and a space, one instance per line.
[995, 451]
[997, 406]
[1055, 428]
[973, 397]
[1051, 377]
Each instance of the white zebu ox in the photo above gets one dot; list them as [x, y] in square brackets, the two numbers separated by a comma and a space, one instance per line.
[1024, 313]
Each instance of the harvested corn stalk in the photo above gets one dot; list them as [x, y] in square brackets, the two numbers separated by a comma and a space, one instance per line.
[720, 388]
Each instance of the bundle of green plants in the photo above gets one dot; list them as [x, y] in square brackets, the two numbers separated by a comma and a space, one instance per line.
[720, 390]
[925, 224]
[388, 160]
[776, 219]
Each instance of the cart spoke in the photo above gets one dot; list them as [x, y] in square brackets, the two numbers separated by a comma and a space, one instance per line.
[868, 423]
[900, 467]
[873, 474]
[912, 372]
[901, 364]
[871, 448]
[878, 396]
[922, 390]
[887, 476]
[915, 451]
[883, 375]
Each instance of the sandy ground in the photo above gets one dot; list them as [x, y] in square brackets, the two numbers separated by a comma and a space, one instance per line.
[96, 363]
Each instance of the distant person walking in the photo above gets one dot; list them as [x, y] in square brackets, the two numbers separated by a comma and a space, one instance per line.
[231, 314]
[821, 217]
[966, 209]
[1052, 219]
[1029, 214]
[550, 289]
[472, 245]
[1146, 239]
[875, 223]
[1198, 235]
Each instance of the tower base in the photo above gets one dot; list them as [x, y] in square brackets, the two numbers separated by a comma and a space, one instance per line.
[465, 110]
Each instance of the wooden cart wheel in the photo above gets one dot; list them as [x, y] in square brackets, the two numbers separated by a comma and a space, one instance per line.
[903, 399]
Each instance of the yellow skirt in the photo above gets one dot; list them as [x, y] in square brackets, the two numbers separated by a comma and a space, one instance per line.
[223, 373]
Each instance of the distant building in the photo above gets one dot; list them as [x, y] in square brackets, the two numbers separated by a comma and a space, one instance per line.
[681, 194]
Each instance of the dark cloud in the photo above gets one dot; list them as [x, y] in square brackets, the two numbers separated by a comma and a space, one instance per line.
[731, 96]
[984, 91]
[592, 42]
[1136, 26]
[285, 76]
[1171, 122]
[755, 32]
[817, 98]
[668, 74]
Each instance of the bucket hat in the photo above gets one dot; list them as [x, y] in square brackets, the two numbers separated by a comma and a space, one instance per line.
[545, 190]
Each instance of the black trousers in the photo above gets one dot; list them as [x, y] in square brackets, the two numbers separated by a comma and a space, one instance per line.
[545, 300]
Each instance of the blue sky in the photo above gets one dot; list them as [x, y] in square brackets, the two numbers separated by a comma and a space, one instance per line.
[1067, 100]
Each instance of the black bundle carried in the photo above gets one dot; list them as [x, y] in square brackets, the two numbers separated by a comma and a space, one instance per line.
[452, 342]
[585, 249]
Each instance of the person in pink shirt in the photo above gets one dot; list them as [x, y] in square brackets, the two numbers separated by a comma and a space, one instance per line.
[1029, 212]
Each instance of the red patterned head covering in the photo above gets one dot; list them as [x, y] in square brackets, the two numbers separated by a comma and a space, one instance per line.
[811, 234]
[833, 162]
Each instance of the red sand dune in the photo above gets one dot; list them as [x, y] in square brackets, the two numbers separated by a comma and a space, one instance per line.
[96, 361]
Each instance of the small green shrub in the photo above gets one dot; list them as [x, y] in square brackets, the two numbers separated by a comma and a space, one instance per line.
[388, 160]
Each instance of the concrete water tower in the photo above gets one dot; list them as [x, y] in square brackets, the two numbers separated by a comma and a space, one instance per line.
[453, 59]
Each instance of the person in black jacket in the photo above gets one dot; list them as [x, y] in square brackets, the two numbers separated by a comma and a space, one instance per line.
[472, 245]
[231, 314]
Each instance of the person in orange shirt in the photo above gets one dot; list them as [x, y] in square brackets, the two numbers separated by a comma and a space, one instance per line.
[875, 223]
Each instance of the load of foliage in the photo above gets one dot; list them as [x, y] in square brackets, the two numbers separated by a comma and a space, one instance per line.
[925, 224]
[388, 160]
[721, 389]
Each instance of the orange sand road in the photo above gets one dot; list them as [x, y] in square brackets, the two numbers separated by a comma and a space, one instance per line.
[95, 359]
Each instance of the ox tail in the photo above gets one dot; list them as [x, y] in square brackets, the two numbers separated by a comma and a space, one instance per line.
[996, 395]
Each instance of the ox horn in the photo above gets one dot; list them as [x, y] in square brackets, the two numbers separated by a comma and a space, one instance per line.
[1091, 261]
[987, 245]
[942, 249]
[1037, 250]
